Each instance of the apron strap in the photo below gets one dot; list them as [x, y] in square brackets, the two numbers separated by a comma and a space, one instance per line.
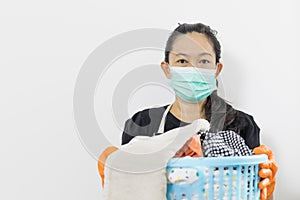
[163, 120]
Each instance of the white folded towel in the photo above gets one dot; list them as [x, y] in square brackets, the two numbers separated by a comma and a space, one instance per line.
[138, 169]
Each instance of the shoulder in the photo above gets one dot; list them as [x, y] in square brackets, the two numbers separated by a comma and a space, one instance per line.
[247, 118]
[144, 116]
[241, 115]
[143, 122]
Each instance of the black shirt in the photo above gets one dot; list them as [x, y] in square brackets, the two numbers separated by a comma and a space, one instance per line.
[173, 122]
[146, 122]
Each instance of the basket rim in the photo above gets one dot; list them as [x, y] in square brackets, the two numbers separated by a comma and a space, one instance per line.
[217, 161]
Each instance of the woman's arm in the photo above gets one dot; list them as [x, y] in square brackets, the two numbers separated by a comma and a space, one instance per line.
[136, 125]
[126, 137]
[127, 133]
[248, 129]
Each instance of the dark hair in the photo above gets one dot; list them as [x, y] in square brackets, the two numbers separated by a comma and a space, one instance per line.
[218, 112]
[199, 28]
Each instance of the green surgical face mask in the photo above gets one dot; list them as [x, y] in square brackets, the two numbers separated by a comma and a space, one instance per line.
[192, 84]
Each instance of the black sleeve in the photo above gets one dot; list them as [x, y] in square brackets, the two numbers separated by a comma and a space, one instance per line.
[126, 137]
[139, 119]
[250, 132]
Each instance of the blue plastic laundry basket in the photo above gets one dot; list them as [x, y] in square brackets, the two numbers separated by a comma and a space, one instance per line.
[217, 178]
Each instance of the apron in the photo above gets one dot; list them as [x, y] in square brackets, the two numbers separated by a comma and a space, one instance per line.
[163, 120]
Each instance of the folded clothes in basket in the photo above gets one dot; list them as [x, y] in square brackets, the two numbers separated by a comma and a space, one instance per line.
[223, 143]
[191, 148]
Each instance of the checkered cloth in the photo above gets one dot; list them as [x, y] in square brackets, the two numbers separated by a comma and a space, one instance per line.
[223, 143]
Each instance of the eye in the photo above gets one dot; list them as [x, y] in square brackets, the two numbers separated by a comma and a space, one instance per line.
[181, 61]
[204, 61]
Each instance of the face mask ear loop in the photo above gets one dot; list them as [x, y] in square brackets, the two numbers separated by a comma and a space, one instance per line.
[217, 84]
[169, 69]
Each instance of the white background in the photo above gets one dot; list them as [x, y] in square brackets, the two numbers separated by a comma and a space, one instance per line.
[44, 43]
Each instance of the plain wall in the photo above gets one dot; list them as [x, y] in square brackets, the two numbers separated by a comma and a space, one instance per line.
[44, 43]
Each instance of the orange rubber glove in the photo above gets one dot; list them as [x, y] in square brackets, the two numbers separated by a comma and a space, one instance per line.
[191, 148]
[267, 172]
[101, 161]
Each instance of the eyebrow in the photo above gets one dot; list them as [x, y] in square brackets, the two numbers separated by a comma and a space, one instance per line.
[200, 54]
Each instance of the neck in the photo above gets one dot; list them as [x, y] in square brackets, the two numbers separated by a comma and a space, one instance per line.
[188, 112]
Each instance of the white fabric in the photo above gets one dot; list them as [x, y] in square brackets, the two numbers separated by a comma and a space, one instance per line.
[137, 169]
[182, 175]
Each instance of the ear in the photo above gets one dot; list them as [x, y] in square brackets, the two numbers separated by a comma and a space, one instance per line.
[166, 69]
[219, 69]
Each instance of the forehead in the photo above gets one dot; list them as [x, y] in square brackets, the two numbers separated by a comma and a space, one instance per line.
[192, 44]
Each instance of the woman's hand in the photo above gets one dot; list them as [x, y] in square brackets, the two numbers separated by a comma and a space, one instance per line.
[267, 172]
[101, 161]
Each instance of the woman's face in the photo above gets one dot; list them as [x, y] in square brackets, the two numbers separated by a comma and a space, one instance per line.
[192, 49]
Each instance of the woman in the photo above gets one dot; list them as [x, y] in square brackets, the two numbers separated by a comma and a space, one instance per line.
[192, 63]
[195, 45]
